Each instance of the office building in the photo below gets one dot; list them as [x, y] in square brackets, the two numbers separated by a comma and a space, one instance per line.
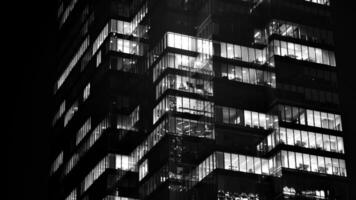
[197, 99]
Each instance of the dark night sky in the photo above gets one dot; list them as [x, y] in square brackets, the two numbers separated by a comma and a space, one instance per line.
[28, 84]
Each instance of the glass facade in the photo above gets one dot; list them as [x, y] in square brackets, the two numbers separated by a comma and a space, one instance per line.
[59, 113]
[322, 2]
[185, 84]
[301, 32]
[175, 126]
[304, 139]
[70, 113]
[271, 166]
[248, 75]
[111, 161]
[302, 52]
[242, 53]
[155, 103]
[189, 43]
[72, 195]
[246, 118]
[57, 163]
[83, 131]
[182, 62]
[183, 105]
[127, 122]
[83, 47]
[308, 117]
[313, 163]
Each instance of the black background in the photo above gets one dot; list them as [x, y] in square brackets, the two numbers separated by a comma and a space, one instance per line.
[27, 73]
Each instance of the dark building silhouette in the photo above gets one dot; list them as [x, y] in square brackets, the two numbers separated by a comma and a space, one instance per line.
[197, 99]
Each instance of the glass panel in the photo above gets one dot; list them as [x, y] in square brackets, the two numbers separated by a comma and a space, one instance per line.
[321, 165]
[247, 118]
[317, 119]
[223, 50]
[257, 164]
[305, 142]
[306, 162]
[242, 162]
[340, 145]
[283, 135]
[328, 165]
[250, 164]
[299, 161]
[265, 166]
[235, 162]
[227, 161]
[333, 144]
[326, 142]
[319, 141]
[254, 119]
[291, 159]
[313, 163]
[310, 118]
[312, 140]
[290, 138]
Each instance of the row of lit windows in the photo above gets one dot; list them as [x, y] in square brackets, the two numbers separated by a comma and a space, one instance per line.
[176, 126]
[72, 195]
[84, 147]
[139, 16]
[127, 122]
[95, 173]
[245, 118]
[249, 75]
[182, 62]
[189, 43]
[142, 170]
[184, 83]
[184, 105]
[59, 113]
[100, 39]
[86, 92]
[73, 62]
[121, 45]
[111, 161]
[124, 162]
[73, 161]
[75, 106]
[152, 139]
[121, 27]
[70, 113]
[314, 194]
[126, 46]
[301, 32]
[304, 139]
[228, 195]
[310, 117]
[272, 166]
[154, 181]
[302, 52]
[98, 59]
[313, 163]
[57, 163]
[246, 54]
[110, 197]
[67, 12]
[129, 28]
[322, 2]
[83, 131]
